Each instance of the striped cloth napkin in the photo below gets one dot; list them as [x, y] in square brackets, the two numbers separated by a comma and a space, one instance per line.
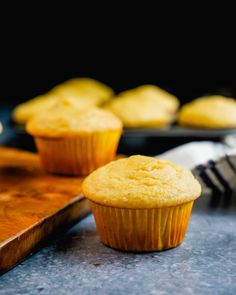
[214, 164]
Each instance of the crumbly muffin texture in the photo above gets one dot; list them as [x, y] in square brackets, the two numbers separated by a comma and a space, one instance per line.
[209, 112]
[66, 121]
[141, 182]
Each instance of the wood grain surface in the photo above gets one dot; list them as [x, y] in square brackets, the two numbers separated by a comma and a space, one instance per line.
[33, 205]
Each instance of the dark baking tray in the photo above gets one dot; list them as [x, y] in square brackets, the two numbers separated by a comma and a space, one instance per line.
[179, 131]
[153, 141]
[168, 132]
[148, 141]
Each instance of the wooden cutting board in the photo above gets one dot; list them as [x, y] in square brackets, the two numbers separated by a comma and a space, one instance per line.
[33, 205]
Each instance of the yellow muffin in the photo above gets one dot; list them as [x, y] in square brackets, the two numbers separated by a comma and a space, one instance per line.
[144, 106]
[24, 111]
[70, 102]
[43, 103]
[141, 203]
[75, 142]
[1, 128]
[85, 88]
[209, 112]
[165, 99]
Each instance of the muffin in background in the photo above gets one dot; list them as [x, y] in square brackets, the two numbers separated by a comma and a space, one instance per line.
[144, 106]
[141, 203]
[166, 100]
[87, 88]
[214, 111]
[24, 111]
[75, 142]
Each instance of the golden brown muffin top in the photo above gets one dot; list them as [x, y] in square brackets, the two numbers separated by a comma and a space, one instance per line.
[141, 182]
[90, 89]
[209, 112]
[165, 99]
[24, 111]
[144, 106]
[82, 90]
[66, 121]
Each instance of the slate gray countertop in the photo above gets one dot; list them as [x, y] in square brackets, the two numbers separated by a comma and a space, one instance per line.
[78, 263]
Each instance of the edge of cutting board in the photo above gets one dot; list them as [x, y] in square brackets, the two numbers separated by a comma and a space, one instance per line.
[20, 246]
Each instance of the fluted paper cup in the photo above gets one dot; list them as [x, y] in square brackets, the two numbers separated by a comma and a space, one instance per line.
[78, 155]
[142, 230]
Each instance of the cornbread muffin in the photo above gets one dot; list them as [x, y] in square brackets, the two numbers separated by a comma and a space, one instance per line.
[70, 102]
[24, 111]
[209, 112]
[75, 142]
[141, 203]
[47, 102]
[85, 88]
[165, 99]
[144, 106]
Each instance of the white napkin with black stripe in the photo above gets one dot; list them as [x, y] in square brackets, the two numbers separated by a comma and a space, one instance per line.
[214, 164]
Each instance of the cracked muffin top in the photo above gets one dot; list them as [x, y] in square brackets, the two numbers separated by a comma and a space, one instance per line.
[141, 182]
[65, 121]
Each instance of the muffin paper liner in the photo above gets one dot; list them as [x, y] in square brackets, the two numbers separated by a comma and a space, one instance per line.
[142, 230]
[78, 155]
